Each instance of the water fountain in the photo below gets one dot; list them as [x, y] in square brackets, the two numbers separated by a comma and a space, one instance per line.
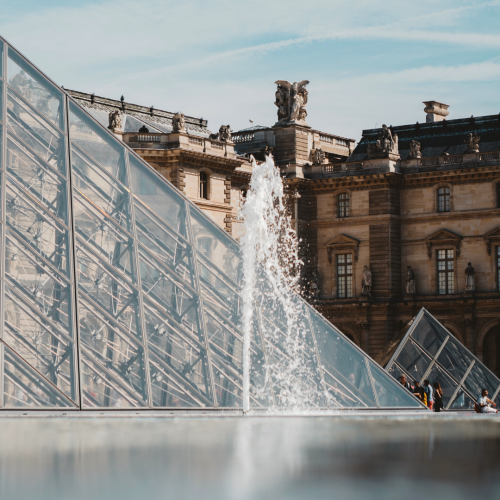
[271, 279]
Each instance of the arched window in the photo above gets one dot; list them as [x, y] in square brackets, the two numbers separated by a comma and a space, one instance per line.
[343, 205]
[444, 199]
[204, 185]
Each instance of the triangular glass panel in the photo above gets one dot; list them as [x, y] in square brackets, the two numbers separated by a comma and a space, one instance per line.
[24, 387]
[90, 227]
[429, 351]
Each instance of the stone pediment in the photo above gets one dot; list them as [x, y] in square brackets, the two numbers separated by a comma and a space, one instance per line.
[342, 242]
[443, 237]
[492, 236]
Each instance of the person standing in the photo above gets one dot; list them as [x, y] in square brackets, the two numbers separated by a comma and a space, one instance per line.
[420, 392]
[404, 383]
[428, 391]
[484, 403]
[438, 397]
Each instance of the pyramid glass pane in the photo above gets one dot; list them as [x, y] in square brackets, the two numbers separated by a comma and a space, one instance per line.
[429, 351]
[120, 293]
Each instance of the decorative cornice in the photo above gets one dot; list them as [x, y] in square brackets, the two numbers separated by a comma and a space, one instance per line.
[443, 237]
[342, 242]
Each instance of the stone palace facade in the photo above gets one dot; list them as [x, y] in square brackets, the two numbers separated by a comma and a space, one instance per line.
[407, 218]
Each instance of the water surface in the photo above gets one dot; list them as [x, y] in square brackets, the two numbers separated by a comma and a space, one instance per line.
[250, 458]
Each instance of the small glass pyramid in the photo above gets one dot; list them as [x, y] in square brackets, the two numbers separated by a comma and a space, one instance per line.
[117, 292]
[429, 351]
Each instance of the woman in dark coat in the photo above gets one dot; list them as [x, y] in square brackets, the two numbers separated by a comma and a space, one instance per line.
[438, 397]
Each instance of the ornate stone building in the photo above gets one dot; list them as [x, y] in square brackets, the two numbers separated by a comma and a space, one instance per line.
[387, 227]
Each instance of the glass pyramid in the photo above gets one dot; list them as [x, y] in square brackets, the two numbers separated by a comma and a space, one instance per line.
[117, 292]
[429, 351]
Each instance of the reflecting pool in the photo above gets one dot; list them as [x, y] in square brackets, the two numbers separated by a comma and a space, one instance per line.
[441, 456]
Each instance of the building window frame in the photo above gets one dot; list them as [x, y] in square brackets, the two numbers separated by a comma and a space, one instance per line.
[345, 275]
[496, 193]
[443, 199]
[445, 269]
[204, 185]
[343, 205]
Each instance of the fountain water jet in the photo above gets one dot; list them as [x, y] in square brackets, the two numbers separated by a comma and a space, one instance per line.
[271, 282]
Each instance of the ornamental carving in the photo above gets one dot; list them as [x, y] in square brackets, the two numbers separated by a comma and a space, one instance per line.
[386, 144]
[318, 156]
[224, 134]
[291, 101]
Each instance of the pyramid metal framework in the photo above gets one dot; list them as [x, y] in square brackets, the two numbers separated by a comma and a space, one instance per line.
[429, 351]
[117, 292]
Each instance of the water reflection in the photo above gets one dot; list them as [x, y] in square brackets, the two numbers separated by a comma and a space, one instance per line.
[249, 458]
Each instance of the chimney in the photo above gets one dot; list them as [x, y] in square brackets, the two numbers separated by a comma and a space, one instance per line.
[436, 111]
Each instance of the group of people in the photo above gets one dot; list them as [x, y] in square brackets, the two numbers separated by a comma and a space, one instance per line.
[432, 396]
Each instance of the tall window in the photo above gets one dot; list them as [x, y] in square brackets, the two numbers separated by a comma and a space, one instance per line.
[444, 199]
[343, 203]
[446, 271]
[498, 271]
[344, 276]
[498, 194]
[204, 185]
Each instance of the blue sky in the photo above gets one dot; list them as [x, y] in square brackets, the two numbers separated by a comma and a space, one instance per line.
[368, 62]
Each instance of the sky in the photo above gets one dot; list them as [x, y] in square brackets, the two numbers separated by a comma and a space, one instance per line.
[368, 62]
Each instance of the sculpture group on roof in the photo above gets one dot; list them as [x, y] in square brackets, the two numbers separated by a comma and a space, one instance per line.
[387, 143]
[291, 100]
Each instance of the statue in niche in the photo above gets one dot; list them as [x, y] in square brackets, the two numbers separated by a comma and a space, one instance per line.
[470, 280]
[472, 143]
[366, 282]
[318, 156]
[410, 281]
[291, 100]
[178, 123]
[414, 150]
[115, 120]
[386, 143]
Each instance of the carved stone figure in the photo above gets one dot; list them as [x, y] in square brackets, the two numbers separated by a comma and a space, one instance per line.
[386, 143]
[178, 123]
[318, 156]
[366, 282]
[225, 133]
[115, 120]
[472, 142]
[414, 150]
[470, 280]
[269, 150]
[291, 100]
[410, 281]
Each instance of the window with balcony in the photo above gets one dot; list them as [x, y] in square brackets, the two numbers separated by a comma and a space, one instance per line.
[343, 205]
[344, 276]
[444, 199]
[446, 272]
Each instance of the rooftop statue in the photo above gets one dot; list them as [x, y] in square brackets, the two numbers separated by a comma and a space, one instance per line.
[115, 120]
[291, 100]
[178, 123]
[386, 143]
[414, 150]
[472, 142]
[224, 134]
